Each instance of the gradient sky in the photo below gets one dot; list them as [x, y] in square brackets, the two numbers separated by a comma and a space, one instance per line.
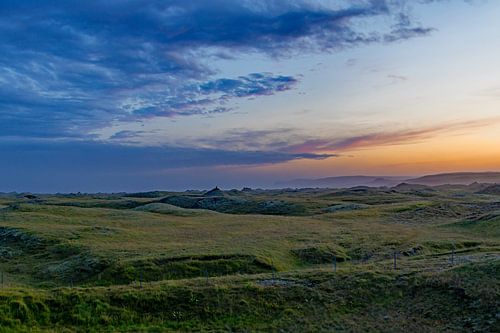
[138, 95]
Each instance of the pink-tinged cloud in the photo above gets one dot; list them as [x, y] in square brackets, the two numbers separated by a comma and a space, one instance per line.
[387, 138]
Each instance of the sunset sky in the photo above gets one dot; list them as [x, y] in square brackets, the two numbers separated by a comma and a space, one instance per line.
[140, 95]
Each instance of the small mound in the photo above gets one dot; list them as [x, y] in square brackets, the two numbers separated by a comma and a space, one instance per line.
[321, 254]
[425, 213]
[358, 190]
[486, 224]
[173, 268]
[77, 268]
[235, 205]
[8, 252]
[222, 204]
[494, 216]
[182, 201]
[345, 207]
[414, 189]
[279, 207]
[167, 209]
[100, 230]
[491, 190]
[215, 192]
[150, 194]
[20, 238]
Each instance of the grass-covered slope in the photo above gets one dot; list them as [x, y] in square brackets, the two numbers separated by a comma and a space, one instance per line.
[465, 298]
[136, 263]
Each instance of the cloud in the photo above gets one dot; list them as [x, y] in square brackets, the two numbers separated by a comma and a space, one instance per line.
[126, 135]
[94, 157]
[68, 69]
[54, 165]
[276, 139]
[256, 84]
[212, 96]
[397, 78]
[65, 166]
[406, 28]
[295, 141]
[371, 140]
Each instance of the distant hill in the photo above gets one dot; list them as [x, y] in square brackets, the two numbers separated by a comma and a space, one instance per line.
[215, 192]
[459, 178]
[344, 182]
[493, 189]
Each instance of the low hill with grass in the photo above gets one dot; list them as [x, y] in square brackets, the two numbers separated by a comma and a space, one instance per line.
[492, 190]
[410, 258]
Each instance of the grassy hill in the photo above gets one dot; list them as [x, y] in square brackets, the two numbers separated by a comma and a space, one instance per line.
[149, 263]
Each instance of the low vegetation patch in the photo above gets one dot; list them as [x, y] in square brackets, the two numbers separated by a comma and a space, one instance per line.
[342, 207]
[360, 301]
[235, 205]
[167, 209]
[157, 269]
[321, 254]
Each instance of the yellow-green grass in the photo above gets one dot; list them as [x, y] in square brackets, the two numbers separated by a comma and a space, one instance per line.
[459, 299]
[255, 272]
[126, 233]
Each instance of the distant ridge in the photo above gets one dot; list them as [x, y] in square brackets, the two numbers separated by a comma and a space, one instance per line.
[458, 178]
[344, 182]
[493, 189]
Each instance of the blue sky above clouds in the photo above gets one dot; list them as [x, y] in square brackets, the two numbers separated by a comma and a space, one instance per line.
[135, 86]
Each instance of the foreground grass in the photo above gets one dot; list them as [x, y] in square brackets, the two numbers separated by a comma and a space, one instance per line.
[465, 298]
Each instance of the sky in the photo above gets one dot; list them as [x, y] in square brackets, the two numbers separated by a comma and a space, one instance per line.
[108, 96]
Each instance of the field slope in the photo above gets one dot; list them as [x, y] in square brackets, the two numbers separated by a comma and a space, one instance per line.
[407, 258]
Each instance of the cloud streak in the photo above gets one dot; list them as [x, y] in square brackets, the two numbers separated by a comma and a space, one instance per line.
[378, 139]
[294, 141]
[68, 69]
[100, 157]
[49, 165]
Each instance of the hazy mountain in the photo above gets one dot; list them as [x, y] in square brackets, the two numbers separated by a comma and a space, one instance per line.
[462, 178]
[344, 182]
[459, 178]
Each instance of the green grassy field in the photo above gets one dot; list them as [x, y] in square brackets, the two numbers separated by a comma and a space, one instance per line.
[252, 260]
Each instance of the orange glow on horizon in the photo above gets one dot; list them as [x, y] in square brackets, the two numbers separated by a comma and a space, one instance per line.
[473, 152]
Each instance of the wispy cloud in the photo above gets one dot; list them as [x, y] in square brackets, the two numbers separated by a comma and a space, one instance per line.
[126, 135]
[378, 139]
[397, 78]
[67, 69]
[293, 140]
[62, 165]
[406, 28]
[256, 84]
[212, 96]
[48, 158]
